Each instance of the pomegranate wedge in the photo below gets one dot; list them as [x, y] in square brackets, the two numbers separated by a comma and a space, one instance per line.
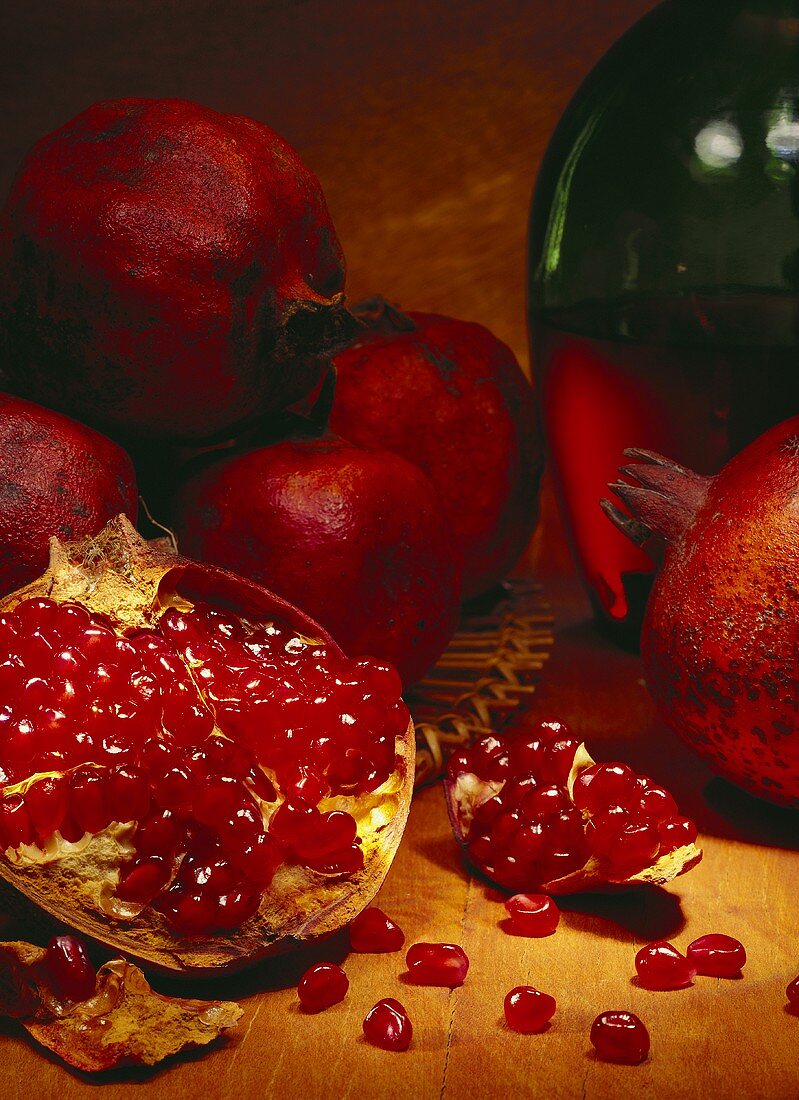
[537, 814]
[192, 771]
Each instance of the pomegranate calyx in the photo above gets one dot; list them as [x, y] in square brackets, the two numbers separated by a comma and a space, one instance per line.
[379, 315]
[124, 1022]
[663, 503]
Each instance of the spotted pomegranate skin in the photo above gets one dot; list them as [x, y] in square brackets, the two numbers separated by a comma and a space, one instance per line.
[161, 232]
[534, 812]
[189, 771]
[720, 632]
[450, 397]
[57, 477]
[357, 537]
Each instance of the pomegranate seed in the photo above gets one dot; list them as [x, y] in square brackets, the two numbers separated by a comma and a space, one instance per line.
[373, 932]
[387, 1026]
[321, 986]
[87, 799]
[557, 761]
[46, 801]
[717, 956]
[443, 964]
[192, 912]
[15, 824]
[620, 1037]
[657, 804]
[604, 785]
[676, 832]
[531, 915]
[459, 764]
[237, 906]
[792, 993]
[73, 976]
[528, 1010]
[145, 879]
[545, 802]
[128, 793]
[660, 965]
[159, 834]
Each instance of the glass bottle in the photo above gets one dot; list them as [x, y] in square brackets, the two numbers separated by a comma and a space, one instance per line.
[664, 264]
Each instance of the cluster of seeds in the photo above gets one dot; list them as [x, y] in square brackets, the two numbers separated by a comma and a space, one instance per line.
[660, 965]
[534, 830]
[218, 737]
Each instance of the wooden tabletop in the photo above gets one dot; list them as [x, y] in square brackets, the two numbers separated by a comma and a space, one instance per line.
[426, 121]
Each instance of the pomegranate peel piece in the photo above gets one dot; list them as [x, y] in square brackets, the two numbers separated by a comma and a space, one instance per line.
[520, 827]
[292, 886]
[124, 1022]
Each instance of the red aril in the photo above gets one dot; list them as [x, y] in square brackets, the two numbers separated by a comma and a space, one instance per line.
[660, 965]
[531, 915]
[717, 956]
[444, 964]
[373, 932]
[322, 985]
[528, 1010]
[535, 813]
[71, 972]
[173, 836]
[620, 1037]
[792, 994]
[387, 1026]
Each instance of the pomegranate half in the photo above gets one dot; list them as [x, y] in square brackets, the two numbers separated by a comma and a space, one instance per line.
[192, 771]
[535, 813]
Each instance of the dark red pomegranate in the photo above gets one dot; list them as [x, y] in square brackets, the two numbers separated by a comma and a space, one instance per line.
[535, 813]
[357, 537]
[167, 271]
[191, 769]
[57, 477]
[720, 636]
[451, 398]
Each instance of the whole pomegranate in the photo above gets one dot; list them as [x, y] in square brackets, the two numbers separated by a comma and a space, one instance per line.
[57, 477]
[167, 271]
[192, 772]
[355, 536]
[720, 636]
[451, 398]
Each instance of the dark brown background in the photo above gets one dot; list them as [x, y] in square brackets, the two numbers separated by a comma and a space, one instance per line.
[425, 122]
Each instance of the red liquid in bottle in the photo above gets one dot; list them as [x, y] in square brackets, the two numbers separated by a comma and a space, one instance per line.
[693, 379]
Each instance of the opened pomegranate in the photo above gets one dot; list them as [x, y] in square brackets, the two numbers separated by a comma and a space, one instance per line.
[57, 477]
[536, 813]
[355, 536]
[167, 271]
[451, 398]
[192, 771]
[719, 641]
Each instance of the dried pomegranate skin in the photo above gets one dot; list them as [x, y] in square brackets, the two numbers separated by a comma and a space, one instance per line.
[192, 770]
[357, 537]
[57, 477]
[720, 632]
[451, 398]
[536, 815]
[161, 232]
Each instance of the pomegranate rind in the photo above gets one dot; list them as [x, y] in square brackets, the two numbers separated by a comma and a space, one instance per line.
[464, 794]
[124, 1023]
[119, 574]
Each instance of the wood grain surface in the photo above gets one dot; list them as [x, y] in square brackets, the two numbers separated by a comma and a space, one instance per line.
[426, 122]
